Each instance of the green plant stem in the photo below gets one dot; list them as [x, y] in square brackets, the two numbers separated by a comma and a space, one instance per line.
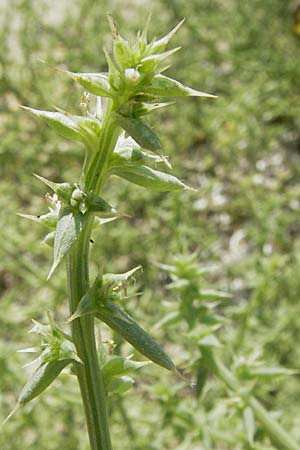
[89, 373]
[277, 434]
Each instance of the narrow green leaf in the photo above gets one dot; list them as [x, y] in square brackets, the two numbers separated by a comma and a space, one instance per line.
[152, 179]
[150, 63]
[126, 327]
[63, 190]
[141, 109]
[271, 372]
[68, 230]
[102, 221]
[144, 35]
[127, 157]
[95, 83]
[48, 220]
[168, 87]
[61, 123]
[42, 378]
[89, 127]
[140, 132]
[249, 422]
[120, 277]
[161, 44]
[117, 319]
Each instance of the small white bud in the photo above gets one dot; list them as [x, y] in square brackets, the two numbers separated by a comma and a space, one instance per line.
[77, 195]
[132, 76]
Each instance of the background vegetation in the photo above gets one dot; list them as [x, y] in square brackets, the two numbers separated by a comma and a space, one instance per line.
[242, 153]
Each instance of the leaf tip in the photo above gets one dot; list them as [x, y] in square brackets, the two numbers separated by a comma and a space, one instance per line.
[51, 271]
[11, 414]
[190, 188]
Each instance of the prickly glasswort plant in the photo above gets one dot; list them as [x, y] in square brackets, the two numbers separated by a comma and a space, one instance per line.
[119, 142]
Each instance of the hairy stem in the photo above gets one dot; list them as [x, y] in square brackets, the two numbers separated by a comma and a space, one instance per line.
[89, 373]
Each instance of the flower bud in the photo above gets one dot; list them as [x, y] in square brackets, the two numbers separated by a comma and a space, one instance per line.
[132, 76]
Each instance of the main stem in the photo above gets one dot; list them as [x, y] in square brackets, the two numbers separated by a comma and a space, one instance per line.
[89, 372]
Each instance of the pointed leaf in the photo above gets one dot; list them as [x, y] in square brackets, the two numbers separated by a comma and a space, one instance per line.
[63, 190]
[140, 132]
[125, 326]
[90, 129]
[42, 378]
[48, 220]
[68, 230]
[152, 179]
[249, 422]
[100, 221]
[150, 63]
[141, 109]
[95, 83]
[271, 372]
[117, 278]
[127, 157]
[168, 87]
[144, 35]
[161, 44]
[61, 123]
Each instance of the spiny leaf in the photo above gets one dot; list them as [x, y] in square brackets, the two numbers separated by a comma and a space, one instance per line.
[102, 221]
[144, 34]
[45, 374]
[95, 83]
[126, 327]
[150, 63]
[271, 372]
[120, 277]
[141, 109]
[63, 190]
[48, 220]
[168, 87]
[152, 179]
[140, 132]
[61, 123]
[161, 44]
[68, 230]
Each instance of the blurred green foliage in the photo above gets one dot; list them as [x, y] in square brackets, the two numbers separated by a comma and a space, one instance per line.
[242, 153]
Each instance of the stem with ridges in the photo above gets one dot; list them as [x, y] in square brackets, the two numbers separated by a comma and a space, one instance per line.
[89, 373]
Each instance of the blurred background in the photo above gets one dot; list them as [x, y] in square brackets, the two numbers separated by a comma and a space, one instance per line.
[242, 154]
